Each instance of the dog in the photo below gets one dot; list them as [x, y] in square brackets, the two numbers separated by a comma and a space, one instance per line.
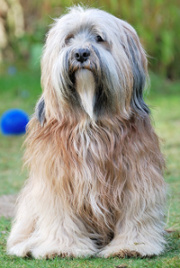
[95, 185]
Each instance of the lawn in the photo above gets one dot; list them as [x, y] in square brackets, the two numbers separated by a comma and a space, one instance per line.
[21, 90]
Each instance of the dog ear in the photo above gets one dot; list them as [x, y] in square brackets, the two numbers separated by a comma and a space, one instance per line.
[137, 57]
[40, 111]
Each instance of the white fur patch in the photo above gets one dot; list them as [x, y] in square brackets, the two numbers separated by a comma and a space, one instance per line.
[85, 86]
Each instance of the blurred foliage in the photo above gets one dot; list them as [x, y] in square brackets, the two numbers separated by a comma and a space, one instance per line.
[156, 22]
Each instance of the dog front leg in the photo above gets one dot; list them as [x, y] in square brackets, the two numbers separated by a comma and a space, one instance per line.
[45, 226]
[139, 232]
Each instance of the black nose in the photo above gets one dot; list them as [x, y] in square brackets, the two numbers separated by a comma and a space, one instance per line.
[82, 54]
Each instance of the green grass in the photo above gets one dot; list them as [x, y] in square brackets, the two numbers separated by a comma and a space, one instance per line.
[22, 91]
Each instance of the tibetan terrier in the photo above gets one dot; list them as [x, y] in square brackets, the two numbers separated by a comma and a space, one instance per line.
[95, 184]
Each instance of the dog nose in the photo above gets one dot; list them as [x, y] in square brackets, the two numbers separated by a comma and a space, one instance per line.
[82, 54]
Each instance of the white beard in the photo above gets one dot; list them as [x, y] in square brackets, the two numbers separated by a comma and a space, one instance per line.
[85, 86]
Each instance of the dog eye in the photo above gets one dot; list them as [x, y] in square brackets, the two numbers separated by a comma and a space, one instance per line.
[99, 39]
[68, 38]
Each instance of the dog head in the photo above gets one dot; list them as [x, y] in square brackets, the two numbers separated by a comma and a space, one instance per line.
[93, 64]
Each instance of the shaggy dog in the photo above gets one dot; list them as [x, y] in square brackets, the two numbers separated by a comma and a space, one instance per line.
[95, 182]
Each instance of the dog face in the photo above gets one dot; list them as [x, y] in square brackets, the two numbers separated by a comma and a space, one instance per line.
[93, 63]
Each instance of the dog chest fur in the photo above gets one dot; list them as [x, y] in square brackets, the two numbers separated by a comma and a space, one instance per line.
[96, 167]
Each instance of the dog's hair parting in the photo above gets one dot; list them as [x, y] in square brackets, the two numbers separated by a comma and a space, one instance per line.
[95, 182]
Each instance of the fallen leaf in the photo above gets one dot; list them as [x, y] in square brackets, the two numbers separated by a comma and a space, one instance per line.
[122, 266]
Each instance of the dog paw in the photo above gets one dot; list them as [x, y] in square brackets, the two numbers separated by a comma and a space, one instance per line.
[123, 253]
[132, 250]
[20, 250]
[42, 253]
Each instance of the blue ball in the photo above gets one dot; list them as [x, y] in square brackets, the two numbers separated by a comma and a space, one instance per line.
[13, 122]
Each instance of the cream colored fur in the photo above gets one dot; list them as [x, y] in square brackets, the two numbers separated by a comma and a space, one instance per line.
[95, 185]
